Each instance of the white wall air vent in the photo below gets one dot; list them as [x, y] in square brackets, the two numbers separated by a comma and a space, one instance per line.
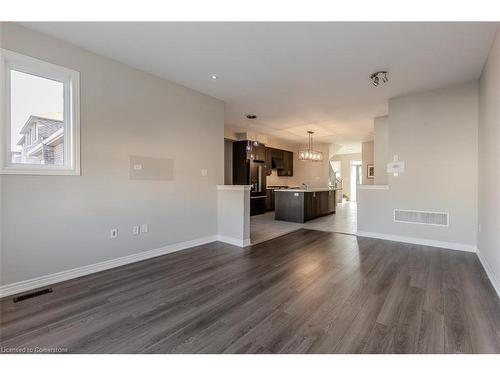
[421, 217]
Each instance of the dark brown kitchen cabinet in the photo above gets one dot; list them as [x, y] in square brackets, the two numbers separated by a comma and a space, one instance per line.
[259, 152]
[299, 206]
[269, 161]
[269, 200]
[280, 160]
[322, 203]
[309, 206]
[287, 164]
[332, 203]
[317, 203]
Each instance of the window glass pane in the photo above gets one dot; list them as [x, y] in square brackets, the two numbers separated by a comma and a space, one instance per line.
[37, 127]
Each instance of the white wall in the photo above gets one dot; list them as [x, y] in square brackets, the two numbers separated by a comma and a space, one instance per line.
[345, 171]
[381, 149]
[366, 158]
[435, 134]
[489, 165]
[233, 214]
[52, 223]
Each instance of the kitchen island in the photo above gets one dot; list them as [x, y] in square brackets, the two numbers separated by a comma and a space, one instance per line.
[300, 205]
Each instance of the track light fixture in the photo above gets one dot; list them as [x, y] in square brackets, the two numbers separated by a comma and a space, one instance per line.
[379, 78]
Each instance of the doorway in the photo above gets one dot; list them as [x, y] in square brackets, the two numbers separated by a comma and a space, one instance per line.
[356, 178]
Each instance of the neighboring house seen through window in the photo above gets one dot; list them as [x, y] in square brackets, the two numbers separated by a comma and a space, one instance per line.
[40, 126]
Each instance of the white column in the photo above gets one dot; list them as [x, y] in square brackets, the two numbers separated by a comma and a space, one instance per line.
[233, 214]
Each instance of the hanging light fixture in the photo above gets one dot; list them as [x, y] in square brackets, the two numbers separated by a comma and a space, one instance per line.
[310, 154]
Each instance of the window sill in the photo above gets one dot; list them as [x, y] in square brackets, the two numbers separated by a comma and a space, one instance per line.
[40, 171]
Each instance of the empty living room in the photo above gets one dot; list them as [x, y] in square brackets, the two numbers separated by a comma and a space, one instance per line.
[315, 180]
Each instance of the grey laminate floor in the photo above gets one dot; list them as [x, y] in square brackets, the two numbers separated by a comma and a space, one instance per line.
[306, 292]
[264, 227]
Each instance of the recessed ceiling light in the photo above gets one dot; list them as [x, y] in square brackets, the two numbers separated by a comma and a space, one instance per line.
[214, 77]
[251, 116]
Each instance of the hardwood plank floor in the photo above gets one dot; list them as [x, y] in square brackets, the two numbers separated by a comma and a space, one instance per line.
[305, 292]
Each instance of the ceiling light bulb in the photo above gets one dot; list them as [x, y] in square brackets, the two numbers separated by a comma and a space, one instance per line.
[214, 77]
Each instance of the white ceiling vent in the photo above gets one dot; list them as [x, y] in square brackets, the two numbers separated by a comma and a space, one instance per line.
[421, 217]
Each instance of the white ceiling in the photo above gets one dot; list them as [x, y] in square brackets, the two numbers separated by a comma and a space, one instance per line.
[294, 76]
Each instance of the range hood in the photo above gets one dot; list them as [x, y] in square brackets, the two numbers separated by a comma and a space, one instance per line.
[277, 163]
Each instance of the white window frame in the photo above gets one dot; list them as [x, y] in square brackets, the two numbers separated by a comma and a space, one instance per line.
[71, 86]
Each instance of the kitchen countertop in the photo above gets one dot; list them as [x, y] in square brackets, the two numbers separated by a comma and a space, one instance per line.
[310, 190]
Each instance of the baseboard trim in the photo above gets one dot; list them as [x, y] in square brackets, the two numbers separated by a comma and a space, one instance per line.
[419, 241]
[234, 241]
[37, 282]
[494, 281]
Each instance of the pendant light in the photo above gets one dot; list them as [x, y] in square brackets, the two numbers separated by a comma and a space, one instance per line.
[310, 154]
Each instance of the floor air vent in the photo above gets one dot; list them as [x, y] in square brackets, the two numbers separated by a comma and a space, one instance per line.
[422, 217]
[32, 294]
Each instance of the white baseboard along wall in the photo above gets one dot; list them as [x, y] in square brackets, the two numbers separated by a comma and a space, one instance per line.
[38, 282]
[419, 241]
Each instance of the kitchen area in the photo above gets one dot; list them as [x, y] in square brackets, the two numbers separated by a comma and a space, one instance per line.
[289, 187]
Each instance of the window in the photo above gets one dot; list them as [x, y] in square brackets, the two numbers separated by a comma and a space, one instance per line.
[40, 117]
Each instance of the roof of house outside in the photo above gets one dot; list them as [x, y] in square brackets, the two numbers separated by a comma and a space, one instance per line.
[51, 118]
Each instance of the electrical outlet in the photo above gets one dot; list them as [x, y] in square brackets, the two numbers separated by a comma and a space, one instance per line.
[144, 228]
[135, 230]
[113, 233]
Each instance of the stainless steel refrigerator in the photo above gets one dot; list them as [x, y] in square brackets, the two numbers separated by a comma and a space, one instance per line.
[249, 169]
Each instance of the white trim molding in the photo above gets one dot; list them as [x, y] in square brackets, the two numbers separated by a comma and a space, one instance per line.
[234, 241]
[37, 282]
[420, 241]
[233, 187]
[494, 281]
[373, 187]
[70, 79]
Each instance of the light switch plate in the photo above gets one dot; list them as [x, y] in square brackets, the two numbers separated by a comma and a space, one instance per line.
[144, 228]
[113, 233]
[396, 167]
[204, 172]
[135, 230]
